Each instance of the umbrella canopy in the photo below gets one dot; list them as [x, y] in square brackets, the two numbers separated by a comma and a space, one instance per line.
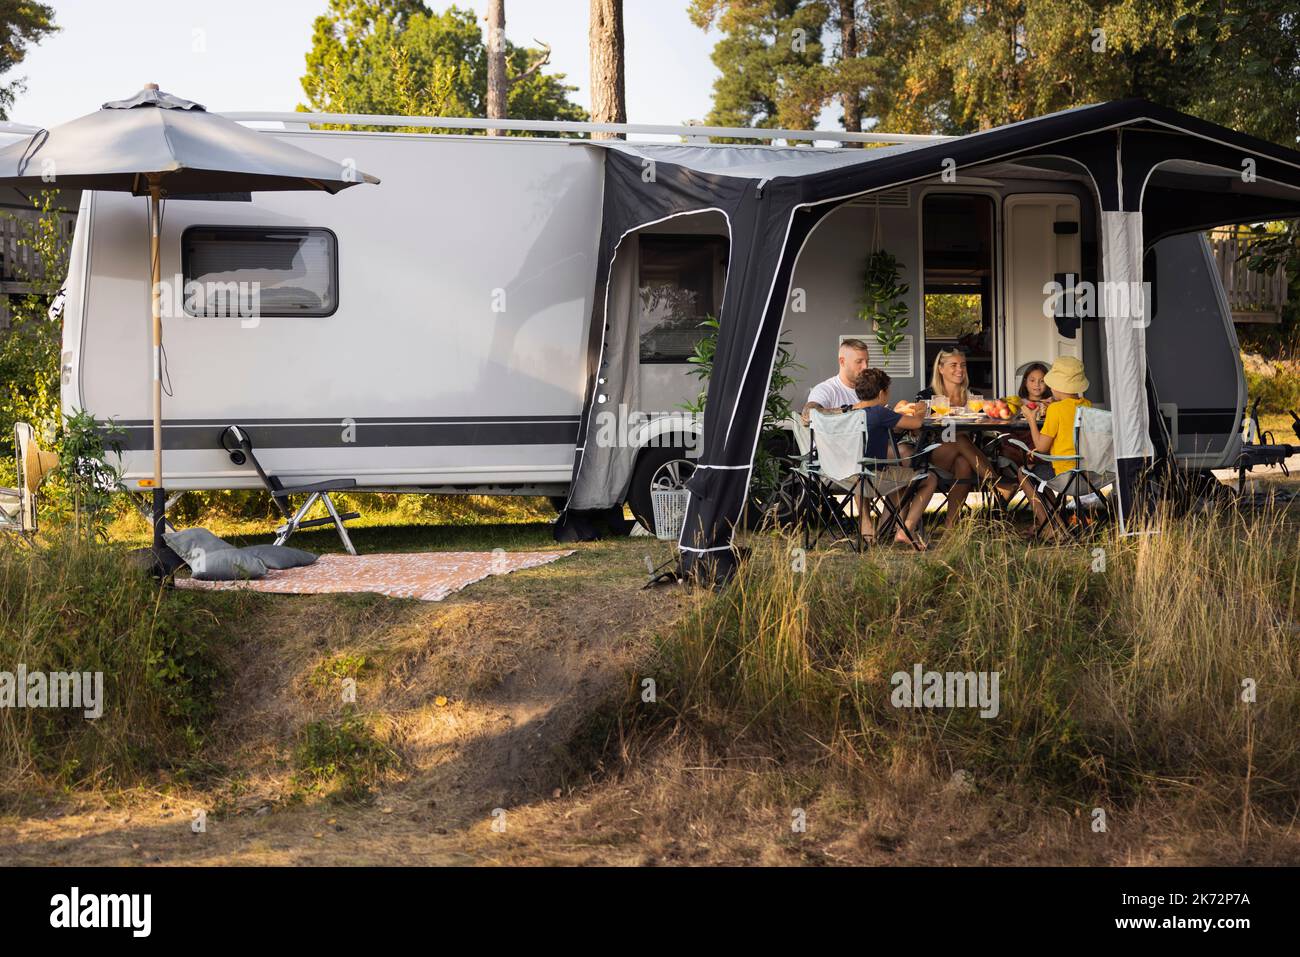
[158, 145]
[187, 149]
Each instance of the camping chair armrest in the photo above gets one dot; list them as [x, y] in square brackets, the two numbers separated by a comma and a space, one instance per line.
[333, 485]
[922, 454]
[1057, 458]
[902, 459]
[905, 459]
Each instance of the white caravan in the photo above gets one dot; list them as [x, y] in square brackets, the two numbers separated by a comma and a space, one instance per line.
[431, 334]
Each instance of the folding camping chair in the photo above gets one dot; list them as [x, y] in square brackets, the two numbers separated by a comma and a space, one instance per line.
[821, 506]
[18, 505]
[838, 475]
[236, 442]
[1092, 472]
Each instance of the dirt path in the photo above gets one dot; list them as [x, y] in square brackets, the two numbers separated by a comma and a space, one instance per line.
[485, 696]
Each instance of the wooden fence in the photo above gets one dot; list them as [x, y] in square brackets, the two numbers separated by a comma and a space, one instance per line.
[1252, 296]
[21, 270]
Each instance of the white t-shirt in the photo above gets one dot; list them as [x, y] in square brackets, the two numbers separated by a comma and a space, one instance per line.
[832, 394]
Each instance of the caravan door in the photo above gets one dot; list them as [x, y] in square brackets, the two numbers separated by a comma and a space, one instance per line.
[1042, 245]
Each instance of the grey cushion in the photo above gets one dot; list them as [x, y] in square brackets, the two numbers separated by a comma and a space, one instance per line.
[279, 556]
[226, 564]
[194, 541]
[213, 559]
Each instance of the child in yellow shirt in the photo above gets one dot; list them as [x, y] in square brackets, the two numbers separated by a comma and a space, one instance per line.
[1068, 383]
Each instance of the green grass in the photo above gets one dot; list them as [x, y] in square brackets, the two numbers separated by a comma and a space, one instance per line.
[388, 523]
[1282, 428]
[341, 758]
[249, 514]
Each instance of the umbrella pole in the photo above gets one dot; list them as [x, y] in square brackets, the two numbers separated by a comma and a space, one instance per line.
[159, 493]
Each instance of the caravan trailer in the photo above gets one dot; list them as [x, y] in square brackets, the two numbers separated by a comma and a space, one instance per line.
[450, 330]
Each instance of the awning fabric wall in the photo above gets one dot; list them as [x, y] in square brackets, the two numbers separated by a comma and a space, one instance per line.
[1143, 162]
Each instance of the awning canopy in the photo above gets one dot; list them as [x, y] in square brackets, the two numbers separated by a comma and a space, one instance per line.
[1155, 172]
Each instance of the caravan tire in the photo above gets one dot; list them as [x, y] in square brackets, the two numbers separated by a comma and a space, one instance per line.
[656, 468]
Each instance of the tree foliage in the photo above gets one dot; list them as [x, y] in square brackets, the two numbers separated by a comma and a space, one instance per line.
[955, 66]
[21, 25]
[399, 57]
[770, 56]
[29, 348]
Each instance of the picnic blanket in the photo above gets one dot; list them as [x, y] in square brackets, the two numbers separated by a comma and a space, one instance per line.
[427, 576]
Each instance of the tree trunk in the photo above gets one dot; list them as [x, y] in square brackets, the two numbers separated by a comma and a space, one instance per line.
[498, 87]
[605, 41]
[850, 95]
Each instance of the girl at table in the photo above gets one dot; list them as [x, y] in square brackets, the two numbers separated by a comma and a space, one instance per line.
[960, 459]
[1033, 384]
[1033, 388]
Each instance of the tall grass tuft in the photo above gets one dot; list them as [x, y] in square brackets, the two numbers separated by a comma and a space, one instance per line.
[1122, 661]
[75, 606]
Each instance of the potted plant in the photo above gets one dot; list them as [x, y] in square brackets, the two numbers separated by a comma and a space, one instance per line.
[882, 297]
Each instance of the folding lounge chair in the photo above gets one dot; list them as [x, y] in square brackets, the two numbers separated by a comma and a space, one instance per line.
[18, 505]
[1093, 469]
[842, 470]
[236, 442]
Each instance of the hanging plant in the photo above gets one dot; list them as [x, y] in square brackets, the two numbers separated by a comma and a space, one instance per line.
[882, 300]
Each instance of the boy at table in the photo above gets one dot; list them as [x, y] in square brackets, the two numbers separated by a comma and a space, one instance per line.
[872, 388]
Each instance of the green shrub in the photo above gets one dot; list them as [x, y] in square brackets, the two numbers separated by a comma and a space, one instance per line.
[1278, 393]
[341, 758]
[76, 606]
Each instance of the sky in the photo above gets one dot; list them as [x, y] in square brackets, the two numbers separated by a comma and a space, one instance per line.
[249, 54]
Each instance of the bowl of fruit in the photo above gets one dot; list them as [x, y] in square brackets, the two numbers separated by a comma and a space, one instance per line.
[998, 409]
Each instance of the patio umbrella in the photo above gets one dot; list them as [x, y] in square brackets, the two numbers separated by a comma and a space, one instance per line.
[158, 145]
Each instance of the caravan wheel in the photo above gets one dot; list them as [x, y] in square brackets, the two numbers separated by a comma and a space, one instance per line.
[661, 468]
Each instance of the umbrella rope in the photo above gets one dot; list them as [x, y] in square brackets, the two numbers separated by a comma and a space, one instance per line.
[166, 372]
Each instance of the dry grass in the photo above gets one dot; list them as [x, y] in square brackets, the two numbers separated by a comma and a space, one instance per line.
[1117, 685]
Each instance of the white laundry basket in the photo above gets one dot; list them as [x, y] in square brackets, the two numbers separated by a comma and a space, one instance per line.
[670, 512]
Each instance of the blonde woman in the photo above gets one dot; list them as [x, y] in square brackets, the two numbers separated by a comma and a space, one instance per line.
[949, 378]
[961, 459]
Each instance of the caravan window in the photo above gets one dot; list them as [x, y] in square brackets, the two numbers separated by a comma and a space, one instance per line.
[681, 279]
[233, 271]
